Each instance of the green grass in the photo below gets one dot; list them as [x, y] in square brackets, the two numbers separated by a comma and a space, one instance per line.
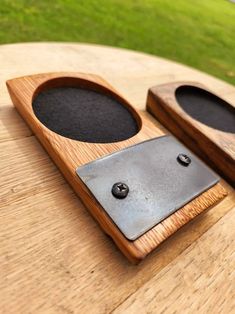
[199, 33]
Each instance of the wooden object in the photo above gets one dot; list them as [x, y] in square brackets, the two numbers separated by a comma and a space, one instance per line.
[215, 146]
[67, 155]
[54, 256]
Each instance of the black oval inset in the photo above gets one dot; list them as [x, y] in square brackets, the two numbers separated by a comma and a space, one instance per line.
[207, 108]
[84, 115]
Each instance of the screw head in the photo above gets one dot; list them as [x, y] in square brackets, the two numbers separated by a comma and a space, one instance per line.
[184, 160]
[120, 190]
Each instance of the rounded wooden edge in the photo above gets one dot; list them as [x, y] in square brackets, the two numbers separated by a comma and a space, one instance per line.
[23, 89]
[28, 86]
[76, 81]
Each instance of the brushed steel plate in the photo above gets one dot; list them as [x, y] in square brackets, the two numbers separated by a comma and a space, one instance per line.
[159, 185]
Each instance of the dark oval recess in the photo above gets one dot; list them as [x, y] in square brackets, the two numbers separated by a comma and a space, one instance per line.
[84, 115]
[206, 108]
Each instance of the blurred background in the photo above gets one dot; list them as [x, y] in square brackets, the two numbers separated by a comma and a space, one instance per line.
[199, 33]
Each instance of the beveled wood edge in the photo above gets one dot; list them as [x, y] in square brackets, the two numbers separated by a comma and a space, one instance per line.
[134, 250]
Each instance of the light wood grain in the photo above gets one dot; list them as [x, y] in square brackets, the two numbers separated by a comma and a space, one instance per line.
[11, 124]
[52, 247]
[216, 147]
[69, 154]
[200, 280]
[54, 257]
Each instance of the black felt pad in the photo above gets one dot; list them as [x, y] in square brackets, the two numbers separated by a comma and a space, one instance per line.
[207, 108]
[84, 115]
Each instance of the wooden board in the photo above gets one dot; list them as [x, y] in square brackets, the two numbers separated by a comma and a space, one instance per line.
[65, 153]
[54, 256]
[216, 147]
[181, 283]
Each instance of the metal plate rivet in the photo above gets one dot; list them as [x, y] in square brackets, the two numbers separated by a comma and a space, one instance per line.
[120, 190]
[184, 159]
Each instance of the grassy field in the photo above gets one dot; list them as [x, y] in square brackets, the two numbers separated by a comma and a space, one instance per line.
[200, 33]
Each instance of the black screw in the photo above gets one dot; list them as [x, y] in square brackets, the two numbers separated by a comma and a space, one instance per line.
[120, 190]
[184, 160]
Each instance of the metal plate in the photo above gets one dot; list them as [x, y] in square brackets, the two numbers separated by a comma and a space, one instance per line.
[158, 183]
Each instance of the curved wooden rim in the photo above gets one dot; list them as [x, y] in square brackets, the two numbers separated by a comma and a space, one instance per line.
[80, 81]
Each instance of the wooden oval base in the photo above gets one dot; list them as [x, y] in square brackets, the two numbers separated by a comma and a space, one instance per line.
[68, 154]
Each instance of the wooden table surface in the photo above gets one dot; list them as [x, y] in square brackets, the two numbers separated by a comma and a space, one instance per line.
[54, 257]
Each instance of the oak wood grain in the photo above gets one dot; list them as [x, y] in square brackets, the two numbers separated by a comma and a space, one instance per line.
[194, 281]
[69, 154]
[216, 147]
[54, 257]
[51, 246]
